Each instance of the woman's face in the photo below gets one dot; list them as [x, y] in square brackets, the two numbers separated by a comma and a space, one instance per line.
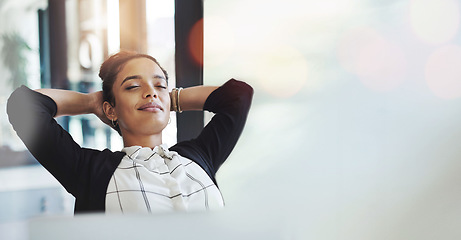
[142, 100]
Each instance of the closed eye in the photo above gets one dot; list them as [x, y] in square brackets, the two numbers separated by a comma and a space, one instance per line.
[131, 87]
[161, 86]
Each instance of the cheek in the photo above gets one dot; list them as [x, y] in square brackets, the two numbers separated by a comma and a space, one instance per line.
[121, 114]
[168, 103]
[165, 98]
[122, 106]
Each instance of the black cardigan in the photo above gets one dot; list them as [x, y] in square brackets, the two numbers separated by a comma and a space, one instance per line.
[85, 173]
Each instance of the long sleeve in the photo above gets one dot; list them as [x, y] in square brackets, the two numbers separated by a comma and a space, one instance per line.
[82, 172]
[231, 103]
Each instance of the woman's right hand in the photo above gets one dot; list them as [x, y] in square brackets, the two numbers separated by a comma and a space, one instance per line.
[97, 102]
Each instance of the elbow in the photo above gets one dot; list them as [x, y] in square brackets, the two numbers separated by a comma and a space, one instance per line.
[14, 105]
[24, 109]
[242, 89]
[244, 93]
[247, 91]
[20, 112]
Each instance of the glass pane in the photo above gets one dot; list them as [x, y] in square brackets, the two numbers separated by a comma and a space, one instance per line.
[26, 188]
[355, 116]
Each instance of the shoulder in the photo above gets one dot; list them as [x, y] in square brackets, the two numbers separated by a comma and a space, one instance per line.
[105, 154]
[191, 150]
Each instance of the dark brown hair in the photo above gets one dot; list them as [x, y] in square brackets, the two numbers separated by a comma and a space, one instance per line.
[110, 69]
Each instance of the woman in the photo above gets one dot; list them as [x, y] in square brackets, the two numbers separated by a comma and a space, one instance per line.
[146, 175]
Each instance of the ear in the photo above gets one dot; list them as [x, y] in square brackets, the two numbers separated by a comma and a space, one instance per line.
[109, 111]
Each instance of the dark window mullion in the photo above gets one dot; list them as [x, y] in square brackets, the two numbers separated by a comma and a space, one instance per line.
[189, 69]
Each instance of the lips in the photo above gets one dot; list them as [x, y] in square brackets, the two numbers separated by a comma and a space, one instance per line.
[151, 107]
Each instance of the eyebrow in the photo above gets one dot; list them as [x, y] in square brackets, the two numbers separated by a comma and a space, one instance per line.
[159, 76]
[129, 78]
[139, 77]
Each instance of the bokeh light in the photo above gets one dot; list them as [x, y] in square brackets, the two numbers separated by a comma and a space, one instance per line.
[195, 42]
[435, 22]
[379, 63]
[325, 9]
[219, 40]
[281, 70]
[443, 72]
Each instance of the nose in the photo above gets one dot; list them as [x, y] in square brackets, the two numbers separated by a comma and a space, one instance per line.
[150, 92]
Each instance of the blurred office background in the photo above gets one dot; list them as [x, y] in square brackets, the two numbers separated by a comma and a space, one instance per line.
[353, 133]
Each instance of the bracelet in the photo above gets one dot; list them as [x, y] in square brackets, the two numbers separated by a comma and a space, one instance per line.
[175, 100]
[178, 106]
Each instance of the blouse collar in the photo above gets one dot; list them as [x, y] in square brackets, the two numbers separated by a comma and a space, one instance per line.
[138, 152]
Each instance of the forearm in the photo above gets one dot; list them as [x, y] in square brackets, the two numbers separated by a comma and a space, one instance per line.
[193, 98]
[70, 102]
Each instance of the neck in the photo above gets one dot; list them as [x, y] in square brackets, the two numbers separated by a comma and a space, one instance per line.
[150, 141]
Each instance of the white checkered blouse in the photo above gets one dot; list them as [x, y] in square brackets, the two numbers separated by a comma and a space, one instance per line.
[159, 180]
